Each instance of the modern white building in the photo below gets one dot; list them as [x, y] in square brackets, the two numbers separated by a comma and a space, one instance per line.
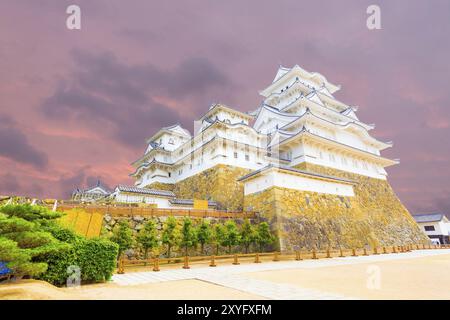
[298, 121]
[435, 225]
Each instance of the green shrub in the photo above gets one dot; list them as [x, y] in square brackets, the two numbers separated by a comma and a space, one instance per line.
[204, 234]
[247, 235]
[147, 237]
[58, 258]
[60, 233]
[231, 236]
[170, 234]
[188, 235]
[19, 260]
[123, 236]
[96, 258]
[29, 212]
[14, 225]
[33, 244]
[263, 235]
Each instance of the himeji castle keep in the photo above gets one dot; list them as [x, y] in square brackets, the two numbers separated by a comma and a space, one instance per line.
[302, 159]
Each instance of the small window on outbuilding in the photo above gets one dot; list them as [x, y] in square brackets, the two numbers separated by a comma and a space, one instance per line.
[429, 228]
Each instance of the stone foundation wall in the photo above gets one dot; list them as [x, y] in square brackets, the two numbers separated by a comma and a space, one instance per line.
[218, 183]
[375, 216]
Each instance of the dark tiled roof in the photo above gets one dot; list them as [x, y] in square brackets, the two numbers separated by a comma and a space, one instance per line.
[162, 193]
[296, 171]
[190, 202]
[428, 217]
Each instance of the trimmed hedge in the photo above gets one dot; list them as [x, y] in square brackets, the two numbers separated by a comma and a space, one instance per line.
[96, 259]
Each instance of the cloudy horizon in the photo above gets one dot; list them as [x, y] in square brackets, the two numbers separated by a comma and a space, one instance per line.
[77, 105]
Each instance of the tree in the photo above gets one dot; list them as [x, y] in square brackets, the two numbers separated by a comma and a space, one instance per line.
[148, 237]
[188, 235]
[217, 237]
[204, 234]
[171, 234]
[18, 261]
[247, 235]
[33, 244]
[231, 237]
[123, 236]
[263, 235]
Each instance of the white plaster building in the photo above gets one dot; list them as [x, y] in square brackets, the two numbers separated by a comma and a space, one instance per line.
[91, 194]
[162, 199]
[435, 225]
[299, 120]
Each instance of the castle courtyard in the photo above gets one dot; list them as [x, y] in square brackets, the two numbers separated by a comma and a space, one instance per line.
[410, 275]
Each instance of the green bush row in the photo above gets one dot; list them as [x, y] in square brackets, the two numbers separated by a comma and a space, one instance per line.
[184, 235]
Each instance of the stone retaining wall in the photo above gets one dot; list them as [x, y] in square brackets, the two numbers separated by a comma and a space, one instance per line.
[375, 216]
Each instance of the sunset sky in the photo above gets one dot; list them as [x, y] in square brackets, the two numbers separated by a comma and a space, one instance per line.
[77, 105]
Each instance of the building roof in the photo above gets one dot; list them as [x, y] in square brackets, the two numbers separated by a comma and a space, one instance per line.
[429, 217]
[283, 75]
[215, 107]
[303, 172]
[155, 192]
[190, 202]
[174, 129]
[98, 185]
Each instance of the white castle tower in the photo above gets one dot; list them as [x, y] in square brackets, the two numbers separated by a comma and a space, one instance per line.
[299, 121]
[302, 158]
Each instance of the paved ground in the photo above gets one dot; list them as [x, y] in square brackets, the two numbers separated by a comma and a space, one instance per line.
[425, 275]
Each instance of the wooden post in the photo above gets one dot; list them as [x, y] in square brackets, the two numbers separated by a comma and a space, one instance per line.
[213, 262]
[298, 256]
[365, 252]
[257, 258]
[235, 261]
[121, 269]
[156, 264]
[384, 250]
[314, 254]
[275, 256]
[394, 250]
[354, 253]
[417, 247]
[186, 262]
[341, 253]
[328, 253]
[375, 250]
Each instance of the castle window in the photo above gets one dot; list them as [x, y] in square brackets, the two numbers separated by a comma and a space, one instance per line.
[169, 174]
[235, 155]
[247, 157]
[289, 155]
